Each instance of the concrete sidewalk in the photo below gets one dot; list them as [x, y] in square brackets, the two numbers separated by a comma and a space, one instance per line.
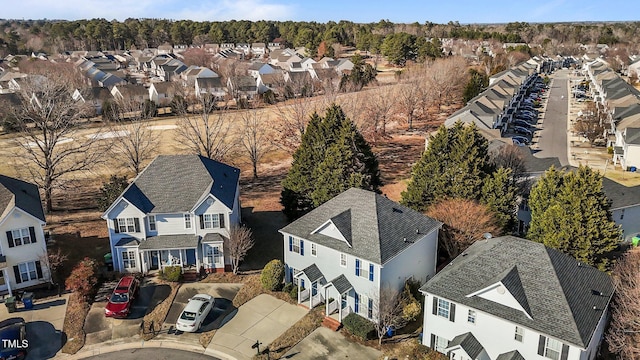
[323, 343]
[263, 319]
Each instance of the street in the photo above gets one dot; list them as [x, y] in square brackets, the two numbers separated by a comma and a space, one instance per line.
[553, 136]
[152, 353]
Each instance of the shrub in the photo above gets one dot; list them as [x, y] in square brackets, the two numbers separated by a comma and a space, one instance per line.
[411, 310]
[171, 273]
[610, 150]
[83, 278]
[272, 275]
[358, 326]
[149, 109]
[111, 190]
[110, 111]
[294, 292]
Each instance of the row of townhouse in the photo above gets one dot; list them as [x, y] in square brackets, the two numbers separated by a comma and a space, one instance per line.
[621, 101]
[503, 298]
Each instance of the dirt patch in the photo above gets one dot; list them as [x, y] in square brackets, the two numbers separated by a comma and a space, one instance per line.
[410, 349]
[252, 288]
[77, 310]
[300, 330]
[159, 313]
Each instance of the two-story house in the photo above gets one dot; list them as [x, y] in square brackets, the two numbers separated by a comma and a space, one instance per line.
[22, 241]
[508, 298]
[177, 212]
[350, 247]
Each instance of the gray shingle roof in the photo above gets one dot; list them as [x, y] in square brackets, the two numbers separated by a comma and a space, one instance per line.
[342, 284]
[312, 273]
[468, 343]
[128, 241]
[621, 196]
[176, 183]
[21, 194]
[560, 291]
[213, 238]
[379, 226]
[511, 355]
[169, 242]
[632, 136]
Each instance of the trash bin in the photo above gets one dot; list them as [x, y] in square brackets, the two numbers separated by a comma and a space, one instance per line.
[632, 169]
[27, 300]
[635, 240]
[10, 303]
[108, 261]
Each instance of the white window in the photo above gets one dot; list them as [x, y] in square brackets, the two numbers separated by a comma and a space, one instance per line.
[131, 225]
[443, 308]
[362, 269]
[2, 282]
[552, 349]
[471, 317]
[28, 271]
[152, 223]
[363, 305]
[295, 244]
[519, 333]
[214, 255]
[127, 225]
[187, 221]
[211, 221]
[441, 344]
[21, 237]
[122, 225]
[343, 260]
[314, 249]
[128, 259]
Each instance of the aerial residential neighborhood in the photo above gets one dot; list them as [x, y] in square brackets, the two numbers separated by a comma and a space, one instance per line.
[223, 186]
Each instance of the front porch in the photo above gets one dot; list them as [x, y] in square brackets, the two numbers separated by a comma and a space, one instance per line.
[333, 294]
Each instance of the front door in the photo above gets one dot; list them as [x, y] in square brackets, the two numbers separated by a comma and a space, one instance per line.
[343, 302]
[155, 261]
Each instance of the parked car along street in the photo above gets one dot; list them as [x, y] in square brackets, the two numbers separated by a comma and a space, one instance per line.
[119, 303]
[194, 313]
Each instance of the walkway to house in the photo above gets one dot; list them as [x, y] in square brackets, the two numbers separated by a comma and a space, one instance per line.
[262, 319]
[323, 343]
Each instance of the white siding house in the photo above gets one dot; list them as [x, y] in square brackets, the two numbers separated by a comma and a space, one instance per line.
[510, 298]
[176, 212]
[354, 244]
[22, 240]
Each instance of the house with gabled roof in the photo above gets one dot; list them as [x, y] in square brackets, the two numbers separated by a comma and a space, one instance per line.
[212, 86]
[177, 212]
[509, 298]
[343, 252]
[22, 239]
[161, 93]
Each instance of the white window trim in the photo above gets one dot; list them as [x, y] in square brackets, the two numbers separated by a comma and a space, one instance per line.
[314, 250]
[549, 345]
[444, 307]
[130, 261]
[23, 238]
[187, 220]
[295, 245]
[152, 221]
[343, 256]
[440, 344]
[471, 316]
[519, 334]
[27, 271]
[364, 269]
[211, 221]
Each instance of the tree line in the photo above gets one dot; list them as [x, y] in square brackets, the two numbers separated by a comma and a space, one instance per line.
[25, 36]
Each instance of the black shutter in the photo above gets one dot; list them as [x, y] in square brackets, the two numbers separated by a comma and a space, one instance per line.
[435, 305]
[221, 217]
[433, 341]
[541, 344]
[201, 221]
[565, 352]
[452, 312]
[10, 239]
[39, 270]
[116, 228]
[136, 223]
[16, 272]
[32, 233]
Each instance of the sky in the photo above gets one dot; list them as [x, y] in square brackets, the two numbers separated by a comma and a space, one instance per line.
[360, 11]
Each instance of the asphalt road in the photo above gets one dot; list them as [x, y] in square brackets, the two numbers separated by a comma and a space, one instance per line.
[553, 136]
[151, 353]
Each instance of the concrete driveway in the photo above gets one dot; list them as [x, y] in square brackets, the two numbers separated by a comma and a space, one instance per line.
[99, 328]
[44, 325]
[324, 343]
[223, 294]
[263, 318]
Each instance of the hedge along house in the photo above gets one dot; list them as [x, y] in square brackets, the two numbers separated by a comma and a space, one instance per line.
[177, 212]
[344, 251]
[22, 240]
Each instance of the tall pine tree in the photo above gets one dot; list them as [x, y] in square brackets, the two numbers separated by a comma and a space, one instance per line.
[332, 157]
[570, 212]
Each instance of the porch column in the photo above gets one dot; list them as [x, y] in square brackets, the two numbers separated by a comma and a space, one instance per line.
[299, 291]
[143, 264]
[340, 309]
[181, 260]
[326, 302]
[7, 281]
[311, 297]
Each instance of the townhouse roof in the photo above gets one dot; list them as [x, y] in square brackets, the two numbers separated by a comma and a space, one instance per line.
[170, 242]
[621, 196]
[209, 82]
[374, 228]
[21, 194]
[564, 298]
[468, 343]
[511, 355]
[632, 136]
[177, 183]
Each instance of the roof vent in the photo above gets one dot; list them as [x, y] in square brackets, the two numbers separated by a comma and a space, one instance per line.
[487, 236]
[579, 264]
[397, 210]
[595, 308]
[417, 231]
[596, 292]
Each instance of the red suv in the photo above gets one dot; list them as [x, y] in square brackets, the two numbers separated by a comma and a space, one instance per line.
[119, 304]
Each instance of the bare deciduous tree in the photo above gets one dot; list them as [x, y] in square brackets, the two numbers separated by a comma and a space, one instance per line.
[133, 139]
[254, 137]
[408, 98]
[624, 332]
[445, 79]
[206, 133]
[240, 242]
[465, 221]
[293, 117]
[510, 157]
[591, 124]
[54, 261]
[387, 309]
[50, 147]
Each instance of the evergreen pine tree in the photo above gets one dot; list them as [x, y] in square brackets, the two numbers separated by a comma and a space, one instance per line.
[570, 212]
[500, 195]
[332, 157]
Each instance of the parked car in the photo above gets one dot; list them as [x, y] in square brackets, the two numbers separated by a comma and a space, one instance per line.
[522, 123]
[528, 114]
[14, 339]
[119, 303]
[195, 312]
[517, 142]
[522, 130]
[521, 139]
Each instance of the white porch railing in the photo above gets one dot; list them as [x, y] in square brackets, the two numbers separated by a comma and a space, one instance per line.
[346, 311]
[333, 307]
[304, 295]
[317, 299]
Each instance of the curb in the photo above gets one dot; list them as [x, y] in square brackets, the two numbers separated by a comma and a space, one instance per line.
[105, 348]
